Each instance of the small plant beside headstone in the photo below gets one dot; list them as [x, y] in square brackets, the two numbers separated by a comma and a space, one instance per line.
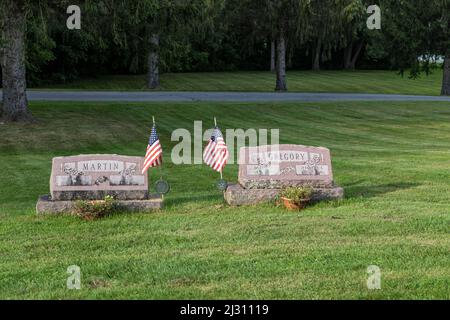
[95, 209]
[296, 198]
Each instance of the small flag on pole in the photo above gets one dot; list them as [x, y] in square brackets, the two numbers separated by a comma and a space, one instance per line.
[153, 156]
[216, 152]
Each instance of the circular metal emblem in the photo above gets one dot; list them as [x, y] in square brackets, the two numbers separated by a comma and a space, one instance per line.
[222, 185]
[162, 187]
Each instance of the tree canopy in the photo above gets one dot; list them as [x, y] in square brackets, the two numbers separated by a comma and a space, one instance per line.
[153, 36]
[206, 35]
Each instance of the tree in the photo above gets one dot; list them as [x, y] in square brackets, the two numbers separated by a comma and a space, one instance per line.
[158, 22]
[445, 91]
[445, 22]
[354, 31]
[325, 19]
[415, 32]
[272, 56]
[13, 17]
[286, 21]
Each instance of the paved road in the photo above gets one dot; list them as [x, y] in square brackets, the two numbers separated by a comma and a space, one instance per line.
[219, 96]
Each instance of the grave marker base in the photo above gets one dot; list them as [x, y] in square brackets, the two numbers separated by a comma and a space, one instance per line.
[236, 195]
[46, 205]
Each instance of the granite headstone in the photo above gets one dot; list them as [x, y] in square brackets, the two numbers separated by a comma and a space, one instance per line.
[93, 177]
[265, 170]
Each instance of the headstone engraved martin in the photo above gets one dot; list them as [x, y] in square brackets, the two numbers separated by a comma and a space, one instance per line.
[92, 177]
[95, 176]
[265, 170]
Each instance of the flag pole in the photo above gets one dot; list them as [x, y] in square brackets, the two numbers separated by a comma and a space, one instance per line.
[215, 125]
[160, 167]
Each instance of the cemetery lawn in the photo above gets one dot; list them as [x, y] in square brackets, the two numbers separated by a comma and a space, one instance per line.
[393, 160]
[358, 81]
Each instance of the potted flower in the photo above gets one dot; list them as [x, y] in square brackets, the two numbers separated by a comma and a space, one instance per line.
[296, 198]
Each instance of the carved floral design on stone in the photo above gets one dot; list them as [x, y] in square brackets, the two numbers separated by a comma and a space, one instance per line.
[311, 166]
[72, 171]
[100, 180]
[129, 171]
[287, 170]
[75, 175]
[261, 167]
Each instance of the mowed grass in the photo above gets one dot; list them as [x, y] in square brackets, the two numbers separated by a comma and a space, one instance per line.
[360, 81]
[393, 160]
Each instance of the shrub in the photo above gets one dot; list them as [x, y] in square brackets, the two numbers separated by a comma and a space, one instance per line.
[297, 194]
[94, 209]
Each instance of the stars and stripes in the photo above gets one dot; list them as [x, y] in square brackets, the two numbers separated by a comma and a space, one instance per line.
[153, 156]
[216, 152]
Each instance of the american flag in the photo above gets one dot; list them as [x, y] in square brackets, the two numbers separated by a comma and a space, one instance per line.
[153, 156]
[216, 152]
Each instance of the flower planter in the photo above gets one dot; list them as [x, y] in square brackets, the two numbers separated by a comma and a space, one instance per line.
[295, 205]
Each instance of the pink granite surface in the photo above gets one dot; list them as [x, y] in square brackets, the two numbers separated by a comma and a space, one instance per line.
[277, 166]
[94, 176]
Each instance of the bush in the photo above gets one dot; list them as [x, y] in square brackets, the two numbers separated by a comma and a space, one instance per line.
[94, 209]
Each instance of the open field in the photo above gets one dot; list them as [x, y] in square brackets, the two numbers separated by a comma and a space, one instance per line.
[360, 81]
[393, 160]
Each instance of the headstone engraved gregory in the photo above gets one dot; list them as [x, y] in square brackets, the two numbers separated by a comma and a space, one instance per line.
[92, 177]
[265, 170]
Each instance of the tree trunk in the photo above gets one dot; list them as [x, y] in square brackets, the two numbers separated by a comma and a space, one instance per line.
[348, 56]
[15, 103]
[153, 62]
[281, 64]
[316, 62]
[272, 56]
[446, 78]
[134, 64]
[356, 55]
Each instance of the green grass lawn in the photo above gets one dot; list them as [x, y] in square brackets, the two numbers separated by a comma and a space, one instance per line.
[303, 81]
[393, 159]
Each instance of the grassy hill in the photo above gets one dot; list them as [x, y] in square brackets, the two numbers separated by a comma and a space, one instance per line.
[391, 158]
[359, 81]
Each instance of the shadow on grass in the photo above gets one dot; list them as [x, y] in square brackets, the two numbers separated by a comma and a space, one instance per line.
[171, 202]
[354, 191]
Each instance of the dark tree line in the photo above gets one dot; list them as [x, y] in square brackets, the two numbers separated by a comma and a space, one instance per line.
[154, 36]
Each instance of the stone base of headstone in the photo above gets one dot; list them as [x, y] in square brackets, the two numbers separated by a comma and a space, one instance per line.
[236, 195]
[99, 195]
[46, 205]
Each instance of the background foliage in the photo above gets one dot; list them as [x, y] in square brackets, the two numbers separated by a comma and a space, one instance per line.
[219, 35]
